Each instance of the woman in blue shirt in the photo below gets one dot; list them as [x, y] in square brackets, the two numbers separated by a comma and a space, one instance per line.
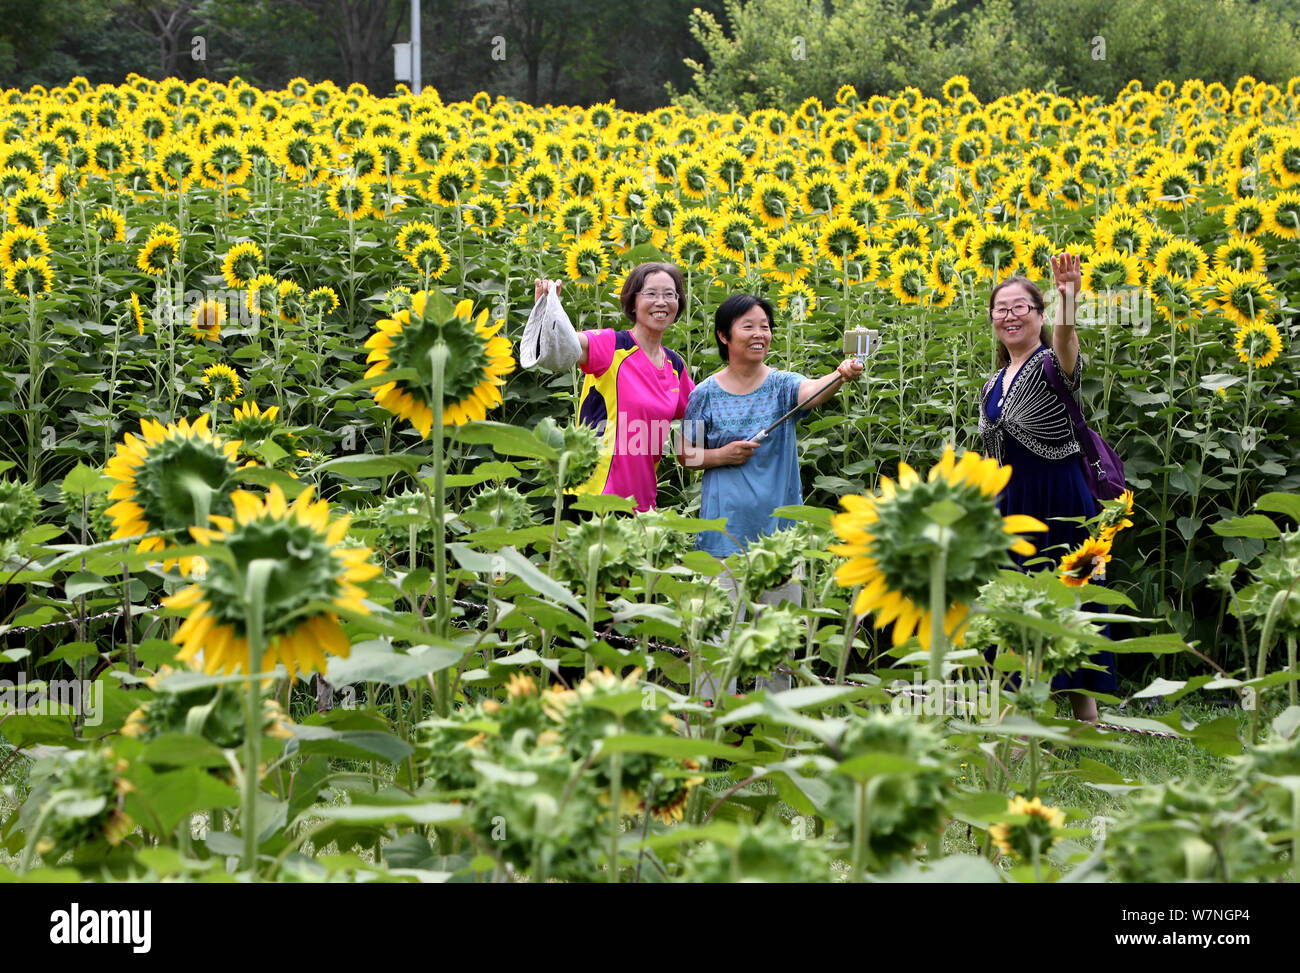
[744, 480]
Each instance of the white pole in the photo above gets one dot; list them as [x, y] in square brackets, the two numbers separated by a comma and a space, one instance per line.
[415, 46]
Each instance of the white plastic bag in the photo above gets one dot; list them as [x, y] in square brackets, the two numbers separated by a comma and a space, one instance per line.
[549, 339]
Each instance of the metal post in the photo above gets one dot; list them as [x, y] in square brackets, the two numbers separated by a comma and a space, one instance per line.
[415, 46]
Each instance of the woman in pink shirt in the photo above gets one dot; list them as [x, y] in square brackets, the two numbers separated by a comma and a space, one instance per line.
[635, 387]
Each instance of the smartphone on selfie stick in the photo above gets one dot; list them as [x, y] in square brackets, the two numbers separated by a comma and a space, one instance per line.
[858, 343]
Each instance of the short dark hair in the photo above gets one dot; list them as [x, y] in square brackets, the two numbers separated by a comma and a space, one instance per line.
[636, 279]
[730, 309]
[1035, 295]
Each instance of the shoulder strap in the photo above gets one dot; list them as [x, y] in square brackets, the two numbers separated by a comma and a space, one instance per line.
[1054, 380]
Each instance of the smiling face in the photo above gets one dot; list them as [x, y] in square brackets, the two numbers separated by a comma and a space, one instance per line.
[750, 338]
[657, 302]
[1017, 322]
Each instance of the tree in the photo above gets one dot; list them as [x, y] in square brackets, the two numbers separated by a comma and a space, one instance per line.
[168, 24]
[364, 32]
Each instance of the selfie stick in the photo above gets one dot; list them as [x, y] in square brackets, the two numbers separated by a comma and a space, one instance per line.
[859, 341]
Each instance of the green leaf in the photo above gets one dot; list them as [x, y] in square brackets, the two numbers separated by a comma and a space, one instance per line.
[1253, 525]
[82, 583]
[1161, 644]
[694, 525]
[71, 652]
[644, 253]
[389, 668]
[1287, 722]
[487, 470]
[366, 465]
[945, 512]
[160, 801]
[183, 749]
[668, 746]
[264, 476]
[84, 481]
[351, 744]
[604, 504]
[1109, 596]
[361, 385]
[817, 516]
[702, 562]
[1280, 503]
[507, 439]
[960, 869]
[868, 765]
[537, 579]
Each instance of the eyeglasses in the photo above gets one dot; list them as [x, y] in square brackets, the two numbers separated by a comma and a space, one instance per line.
[1019, 310]
[668, 296]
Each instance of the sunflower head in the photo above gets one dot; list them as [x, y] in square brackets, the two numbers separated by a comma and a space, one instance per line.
[1035, 825]
[30, 277]
[892, 538]
[168, 478]
[1087, 561]
[476, 363]
[205, 320]
[294, 552]
[223, 382]
[1258, 344]
[241, 264]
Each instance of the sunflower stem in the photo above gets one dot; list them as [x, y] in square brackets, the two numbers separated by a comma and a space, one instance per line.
[616, 807]
[850, 629]
[1291, 667]
[438, 361]
[259, 575]
[861, 830]
[938, 606]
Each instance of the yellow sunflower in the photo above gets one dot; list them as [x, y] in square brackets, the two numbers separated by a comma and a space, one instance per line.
[20, 242]
[307, 565]
[159, 253]
[1258, 344]
[241, 264]
[430, 258]
[1039, 828]
[1243, 297]
[137, 312]
[205, 320]
[477, 362]
[889, 541]
[110, 225]
[586, 263]
[1239, 253]
[30, 277]
[223, 381]
[1085, 562]
[168, 478]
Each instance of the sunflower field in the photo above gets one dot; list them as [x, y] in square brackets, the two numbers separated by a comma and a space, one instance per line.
[278, 504]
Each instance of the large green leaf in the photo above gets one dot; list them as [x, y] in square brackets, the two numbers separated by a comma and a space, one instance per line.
[506, 439]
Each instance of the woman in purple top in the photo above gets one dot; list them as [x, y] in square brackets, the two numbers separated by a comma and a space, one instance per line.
[1024, 425]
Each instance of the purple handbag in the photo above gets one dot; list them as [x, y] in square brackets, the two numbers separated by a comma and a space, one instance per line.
[1102, 467]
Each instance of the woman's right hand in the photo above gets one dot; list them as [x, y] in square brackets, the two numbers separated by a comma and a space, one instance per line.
[736, 453]
[539, 288]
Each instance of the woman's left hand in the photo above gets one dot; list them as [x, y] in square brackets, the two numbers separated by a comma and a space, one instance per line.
[1067, 272]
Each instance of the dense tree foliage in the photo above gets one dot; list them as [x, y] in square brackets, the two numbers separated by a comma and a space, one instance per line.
[778, 52]
[705, 53]
[559, 51]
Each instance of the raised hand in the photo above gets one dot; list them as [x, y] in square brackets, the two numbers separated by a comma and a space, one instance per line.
[539, 288]
[1067, 274]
